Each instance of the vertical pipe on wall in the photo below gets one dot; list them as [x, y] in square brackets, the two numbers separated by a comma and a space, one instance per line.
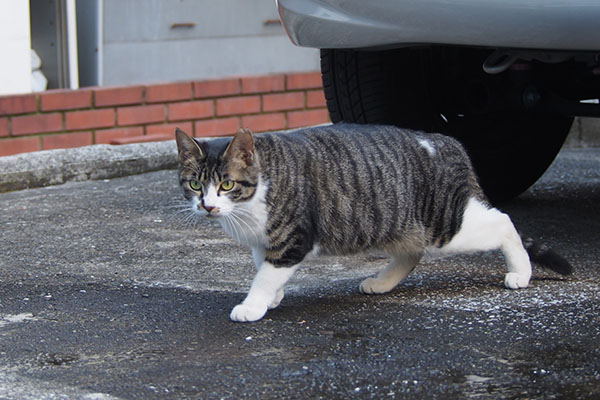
[71, 54]
[100, 45]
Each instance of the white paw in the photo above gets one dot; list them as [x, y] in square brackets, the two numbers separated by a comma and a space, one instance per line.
[247, 313]
[277, 300]
[374, 286]
[512, 280]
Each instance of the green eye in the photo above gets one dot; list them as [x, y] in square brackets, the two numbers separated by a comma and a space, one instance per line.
[227, 185]
[195, 185]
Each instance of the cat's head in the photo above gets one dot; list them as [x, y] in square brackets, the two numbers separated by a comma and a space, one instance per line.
[217, 175]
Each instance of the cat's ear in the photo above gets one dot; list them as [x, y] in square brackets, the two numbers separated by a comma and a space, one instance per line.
[241, 147]
[187, 147]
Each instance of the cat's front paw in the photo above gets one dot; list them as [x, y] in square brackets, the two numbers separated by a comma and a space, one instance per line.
[375, 286]
[247, 313]
[512, 280]
[277, 300]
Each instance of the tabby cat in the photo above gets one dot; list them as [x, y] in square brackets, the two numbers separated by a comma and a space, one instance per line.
[342, 189]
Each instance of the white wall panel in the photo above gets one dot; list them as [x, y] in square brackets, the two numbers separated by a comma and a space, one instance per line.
[223, 38]
[15, 47]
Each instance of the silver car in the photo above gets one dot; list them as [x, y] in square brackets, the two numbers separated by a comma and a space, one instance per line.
[506, 77]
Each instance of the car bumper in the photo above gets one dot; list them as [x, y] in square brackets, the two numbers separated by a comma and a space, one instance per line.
[525, 24]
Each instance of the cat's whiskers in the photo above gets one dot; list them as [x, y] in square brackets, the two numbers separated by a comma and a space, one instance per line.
[239, 229]
[190, 220]
[242, 225]
[177, 207]
[233, 227]
[245, 216]
[185, 215]
[241, 219]
[225, 220]
[251, 230]
[183, 210]
[248, 214]
[180, 206]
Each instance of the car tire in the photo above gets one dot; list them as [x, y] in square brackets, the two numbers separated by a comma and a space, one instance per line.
[430, 89]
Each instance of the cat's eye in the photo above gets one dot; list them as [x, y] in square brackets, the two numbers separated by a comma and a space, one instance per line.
[195, 185]
[227, 185]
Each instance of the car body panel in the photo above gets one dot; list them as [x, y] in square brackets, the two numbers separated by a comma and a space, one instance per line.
[571, 25]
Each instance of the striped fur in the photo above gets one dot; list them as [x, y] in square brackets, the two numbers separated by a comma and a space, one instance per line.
[344, 189]
[349, 188]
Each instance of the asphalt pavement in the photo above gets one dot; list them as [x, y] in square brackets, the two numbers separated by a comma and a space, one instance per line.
[108, 291]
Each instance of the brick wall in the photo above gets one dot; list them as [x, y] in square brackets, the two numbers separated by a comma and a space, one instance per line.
[116, 115]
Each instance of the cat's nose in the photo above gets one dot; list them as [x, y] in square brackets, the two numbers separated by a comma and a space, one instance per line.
[207, 207]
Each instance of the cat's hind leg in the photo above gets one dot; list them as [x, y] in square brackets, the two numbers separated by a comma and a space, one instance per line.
[387, 279]
[484, 228]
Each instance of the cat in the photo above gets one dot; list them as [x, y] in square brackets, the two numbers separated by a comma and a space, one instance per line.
[342, 189]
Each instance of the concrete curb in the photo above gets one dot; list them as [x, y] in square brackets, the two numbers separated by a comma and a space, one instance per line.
[585, 132]
[53, 167]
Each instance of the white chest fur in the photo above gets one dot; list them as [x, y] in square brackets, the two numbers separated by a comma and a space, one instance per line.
[246, 222]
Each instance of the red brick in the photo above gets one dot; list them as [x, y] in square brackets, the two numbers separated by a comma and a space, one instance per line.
[105, 136]
[4, 127]
[66, 140]
[90, 119]
[216, 88]
[10, 105]
[19, 145]
[142, 139]
[217, 127]
[263, 84]
[315, 99]
[117, 96]
[38, 123]
[238, 105]
[65, 100]
[264, 122]
[283, 101]
[298, 119]
[168, 92]
[140, 114]
[307, 80]
[169, 129]
[191, 110]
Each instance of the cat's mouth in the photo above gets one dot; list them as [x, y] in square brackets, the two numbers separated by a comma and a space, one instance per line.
[212, 212]
[209, 211]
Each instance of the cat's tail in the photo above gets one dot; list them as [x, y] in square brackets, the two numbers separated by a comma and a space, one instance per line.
[547, 258]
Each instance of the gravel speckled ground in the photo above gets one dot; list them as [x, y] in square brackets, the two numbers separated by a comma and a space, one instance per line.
[105, 293]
